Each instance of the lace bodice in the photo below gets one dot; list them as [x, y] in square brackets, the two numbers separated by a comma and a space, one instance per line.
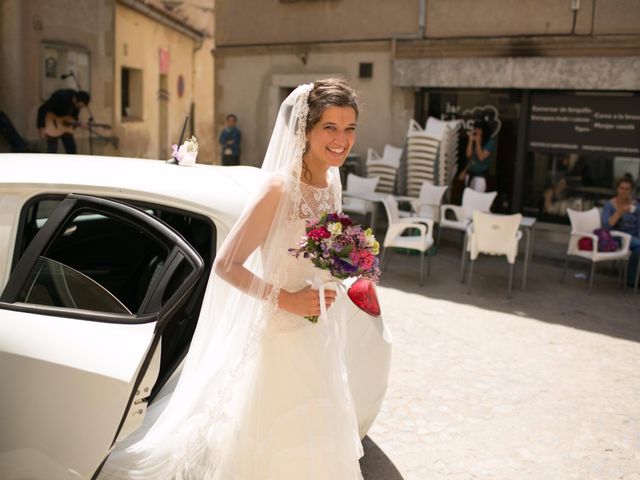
[316, 200]
[296, 271]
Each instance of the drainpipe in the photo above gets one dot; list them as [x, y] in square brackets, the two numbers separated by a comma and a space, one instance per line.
[419, 35]
[192, 107]
[415, 35]
[575, 6]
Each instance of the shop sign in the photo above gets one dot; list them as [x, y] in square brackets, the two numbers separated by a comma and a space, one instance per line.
[164, 60]
[585, 124]
[487, 113]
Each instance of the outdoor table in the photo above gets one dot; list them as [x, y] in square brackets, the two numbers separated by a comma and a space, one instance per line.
[369, 197]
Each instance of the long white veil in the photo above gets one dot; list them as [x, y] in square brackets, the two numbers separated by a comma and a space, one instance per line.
[188, 437]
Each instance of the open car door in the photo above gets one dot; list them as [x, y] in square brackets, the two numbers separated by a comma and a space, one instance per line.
[79, 334]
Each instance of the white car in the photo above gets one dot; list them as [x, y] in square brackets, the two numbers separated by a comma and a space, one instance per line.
[104, 263]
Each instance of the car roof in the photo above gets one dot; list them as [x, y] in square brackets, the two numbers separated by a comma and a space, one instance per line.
[207, 187]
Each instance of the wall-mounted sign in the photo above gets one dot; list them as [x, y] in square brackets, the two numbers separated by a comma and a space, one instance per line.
[164, 59]
[486, 113]
[585, 124]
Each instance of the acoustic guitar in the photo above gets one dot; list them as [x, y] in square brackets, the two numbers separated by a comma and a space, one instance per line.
[56, 126]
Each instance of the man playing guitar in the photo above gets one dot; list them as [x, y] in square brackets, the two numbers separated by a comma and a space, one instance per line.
[58, 116]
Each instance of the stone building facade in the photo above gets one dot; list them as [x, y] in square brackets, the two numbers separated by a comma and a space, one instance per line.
[147, 66]
[412, 59]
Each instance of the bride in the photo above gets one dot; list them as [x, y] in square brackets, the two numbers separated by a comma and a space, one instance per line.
[264, 393]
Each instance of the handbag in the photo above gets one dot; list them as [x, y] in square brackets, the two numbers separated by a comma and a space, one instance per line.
[606, 242]
[585, 243]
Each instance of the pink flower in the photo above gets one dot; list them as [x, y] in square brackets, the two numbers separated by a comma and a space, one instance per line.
[366, 260]
[318, 233]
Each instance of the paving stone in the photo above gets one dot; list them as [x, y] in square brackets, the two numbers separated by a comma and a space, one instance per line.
[545, 385]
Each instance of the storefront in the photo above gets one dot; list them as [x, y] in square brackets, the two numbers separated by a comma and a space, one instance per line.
[554, 149]
[556, 146]
[578, 144]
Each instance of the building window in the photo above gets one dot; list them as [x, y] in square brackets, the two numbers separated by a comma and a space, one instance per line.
[578, 146]
[64, 67]
[131, 94]
[500, 109]
[365, 70]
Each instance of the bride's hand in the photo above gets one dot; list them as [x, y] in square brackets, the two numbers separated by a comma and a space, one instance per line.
[305, 302]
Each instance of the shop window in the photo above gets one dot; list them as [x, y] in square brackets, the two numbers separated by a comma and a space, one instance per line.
[64, 67]
[501, 111]
[579, 145]
[131, 94]
[556, 182]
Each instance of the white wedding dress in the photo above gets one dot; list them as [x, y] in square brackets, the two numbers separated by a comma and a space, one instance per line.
[263, 394]
[298, 420]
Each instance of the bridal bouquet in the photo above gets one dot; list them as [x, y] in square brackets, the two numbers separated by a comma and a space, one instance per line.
[187, 153]
[335, 244]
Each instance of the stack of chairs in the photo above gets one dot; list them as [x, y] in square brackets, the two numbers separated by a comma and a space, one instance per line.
[432, 153]
[422, 158]
[448, 133]
[384, 167]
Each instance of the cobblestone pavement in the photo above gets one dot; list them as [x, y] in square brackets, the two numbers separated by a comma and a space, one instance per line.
[543, 386]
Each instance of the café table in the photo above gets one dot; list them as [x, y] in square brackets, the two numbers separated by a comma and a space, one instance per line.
[368, 197]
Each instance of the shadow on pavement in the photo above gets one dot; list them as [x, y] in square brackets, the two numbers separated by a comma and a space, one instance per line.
[375, 465]
[609, 310]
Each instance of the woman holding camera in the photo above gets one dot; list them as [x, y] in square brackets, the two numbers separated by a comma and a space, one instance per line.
[480, 146]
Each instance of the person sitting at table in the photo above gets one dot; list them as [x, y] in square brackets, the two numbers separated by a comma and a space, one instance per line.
[555, 197]
[622, 213]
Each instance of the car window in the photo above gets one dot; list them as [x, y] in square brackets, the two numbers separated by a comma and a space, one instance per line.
[197, 230]
[43, 209]
[117, 257]
[56, 285]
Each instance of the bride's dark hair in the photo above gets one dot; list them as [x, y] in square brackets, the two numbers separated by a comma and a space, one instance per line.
[327, 93]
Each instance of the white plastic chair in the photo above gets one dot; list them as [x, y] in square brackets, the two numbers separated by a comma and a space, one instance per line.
[471, 201]
[384, 167]
[492, 234]
[582, 225]
[357, 184]
[394, 239]
[428, 203]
